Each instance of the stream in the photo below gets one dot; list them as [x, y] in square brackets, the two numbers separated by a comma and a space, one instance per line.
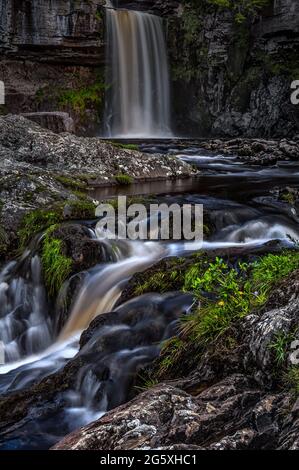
[240, 200]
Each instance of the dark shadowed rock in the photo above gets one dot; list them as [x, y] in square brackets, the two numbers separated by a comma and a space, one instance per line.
[234, 414]
[54, 121]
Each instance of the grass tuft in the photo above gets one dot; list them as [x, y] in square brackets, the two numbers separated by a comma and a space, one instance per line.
[124, 180]
[56, 266]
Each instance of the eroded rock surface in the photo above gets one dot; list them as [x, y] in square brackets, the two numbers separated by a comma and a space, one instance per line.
[40, 168]
[227, 402]
[257, 151]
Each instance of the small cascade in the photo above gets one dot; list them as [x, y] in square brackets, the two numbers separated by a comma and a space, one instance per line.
[100, 365]
[25, 326]
[138, 99]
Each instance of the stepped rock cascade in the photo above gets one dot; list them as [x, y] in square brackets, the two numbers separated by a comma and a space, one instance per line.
[138, 98]
[68, 364]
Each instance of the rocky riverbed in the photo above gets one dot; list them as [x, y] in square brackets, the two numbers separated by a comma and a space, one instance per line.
[234, 398]
[42, 170]
[189, 352]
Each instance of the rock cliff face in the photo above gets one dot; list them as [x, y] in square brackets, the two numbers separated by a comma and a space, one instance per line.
[236, 76]
[59, 31]
[229, 77]
[51, 56]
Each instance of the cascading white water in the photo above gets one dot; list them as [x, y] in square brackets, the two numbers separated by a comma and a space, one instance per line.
[138, 99]
[25, 327]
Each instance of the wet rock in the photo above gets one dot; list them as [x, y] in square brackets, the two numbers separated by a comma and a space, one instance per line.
[40, 169]
[259, 151]
[54, 121]
[279, 319]
[112, 351]
[39, 147]
[240, 90]
[232, 414]
[69, 32]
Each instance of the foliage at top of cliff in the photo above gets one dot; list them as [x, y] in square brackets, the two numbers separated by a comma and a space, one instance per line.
[241, 8]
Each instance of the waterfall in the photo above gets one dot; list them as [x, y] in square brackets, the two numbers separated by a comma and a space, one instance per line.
[138, 99]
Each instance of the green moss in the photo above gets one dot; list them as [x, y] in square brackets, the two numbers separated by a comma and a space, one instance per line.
[3, 241]
[125, 146]
[169, 277]
[158, 282]
[289, 197]
[99, 15]
[277, 64]
[124, 180]
[37, 221]
[40, 219]
[56, 266]
[79, 99]
[71, 183]
[3, 110]
[81, 208]
[291, 380]
[242, 9]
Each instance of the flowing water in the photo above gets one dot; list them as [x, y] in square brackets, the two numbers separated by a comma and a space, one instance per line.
[138, 97]
[89, 372]
[104, 368]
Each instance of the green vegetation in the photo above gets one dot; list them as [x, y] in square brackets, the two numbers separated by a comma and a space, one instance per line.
[224, 296]
[125, 146]
[81, 208]
[241, 8]
[40, 219]
[56, 266]
[36, 221]
[291, 379]
[280, 346]
[124, 180]
[80, 99]
[170, 277]
[289, 197]
[279, 64]
[72, 183]
[99, 15]
[237, 292]
[3, 241]
[3, 110]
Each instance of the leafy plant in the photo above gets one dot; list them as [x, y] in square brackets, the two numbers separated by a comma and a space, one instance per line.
[280, 346]
[56, 266]
[227, 294]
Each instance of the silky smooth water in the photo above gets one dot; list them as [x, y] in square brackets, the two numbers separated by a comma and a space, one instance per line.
[246, 220]
[138, 95]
